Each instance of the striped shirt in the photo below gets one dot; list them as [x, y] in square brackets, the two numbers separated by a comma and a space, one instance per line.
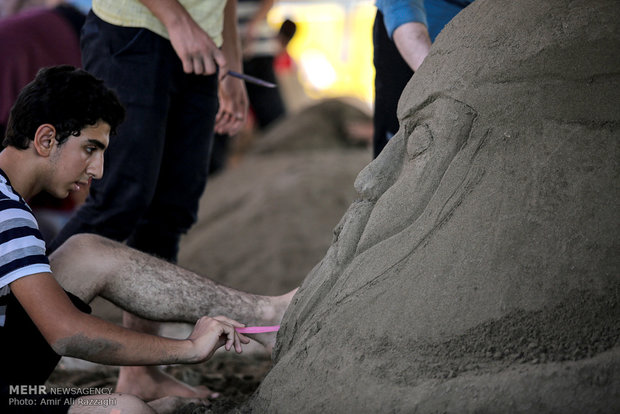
[22, 248]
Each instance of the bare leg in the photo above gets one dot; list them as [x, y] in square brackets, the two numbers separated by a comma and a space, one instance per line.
[150, 382]
[88, 265]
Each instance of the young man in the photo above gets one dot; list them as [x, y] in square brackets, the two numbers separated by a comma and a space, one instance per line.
[57, 133]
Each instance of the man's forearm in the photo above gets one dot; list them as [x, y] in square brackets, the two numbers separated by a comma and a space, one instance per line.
[96, 340]
[413, 43]
[232, 44]
[74, 333]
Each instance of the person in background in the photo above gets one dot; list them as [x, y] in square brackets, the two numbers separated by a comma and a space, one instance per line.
[283, 60]
[402, 35]
[33, 36]
[260, 44]
[163, 58]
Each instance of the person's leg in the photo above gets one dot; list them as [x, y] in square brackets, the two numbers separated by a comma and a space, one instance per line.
[89, 266]
[219, 153]
[173, 210]
[184, 167]
[142, 68]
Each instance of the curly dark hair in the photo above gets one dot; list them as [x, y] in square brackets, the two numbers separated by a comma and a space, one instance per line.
[68, 98]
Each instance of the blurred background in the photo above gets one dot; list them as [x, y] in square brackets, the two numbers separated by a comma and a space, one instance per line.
[332, 46]
[326, 56]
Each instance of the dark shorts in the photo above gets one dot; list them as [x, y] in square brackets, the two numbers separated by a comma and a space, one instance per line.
[27, 362]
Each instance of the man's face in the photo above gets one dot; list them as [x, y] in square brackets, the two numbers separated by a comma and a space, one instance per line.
[79, 159]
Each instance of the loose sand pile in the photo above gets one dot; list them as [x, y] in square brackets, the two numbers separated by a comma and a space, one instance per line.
[478, 271]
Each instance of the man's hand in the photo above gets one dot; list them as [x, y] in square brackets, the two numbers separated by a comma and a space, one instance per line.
[196, 49]
[233, 106]
[211, 333]
[194, 46]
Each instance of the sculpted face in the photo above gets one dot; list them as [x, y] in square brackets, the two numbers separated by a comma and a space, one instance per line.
[430, 139]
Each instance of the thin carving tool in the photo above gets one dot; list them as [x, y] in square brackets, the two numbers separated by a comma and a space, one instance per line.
[258, 329]
[251, 79]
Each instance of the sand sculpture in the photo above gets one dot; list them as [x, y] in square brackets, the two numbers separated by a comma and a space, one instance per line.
[479, 270]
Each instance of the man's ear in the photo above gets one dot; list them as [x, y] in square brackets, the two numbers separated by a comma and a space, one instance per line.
[44, 139]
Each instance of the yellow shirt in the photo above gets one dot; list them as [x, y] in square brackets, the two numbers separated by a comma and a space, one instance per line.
[209, 14]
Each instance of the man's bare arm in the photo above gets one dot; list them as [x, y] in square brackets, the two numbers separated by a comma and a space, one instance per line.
[413, 43]
[233, 95]
[71, 332]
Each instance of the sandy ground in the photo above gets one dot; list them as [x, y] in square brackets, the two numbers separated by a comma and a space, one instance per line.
[235, 377]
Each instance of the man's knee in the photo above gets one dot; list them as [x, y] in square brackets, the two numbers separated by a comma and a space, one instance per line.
[82, 251]
[80, 243]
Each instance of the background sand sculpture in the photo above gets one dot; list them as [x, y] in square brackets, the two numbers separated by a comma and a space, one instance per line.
[479, 268]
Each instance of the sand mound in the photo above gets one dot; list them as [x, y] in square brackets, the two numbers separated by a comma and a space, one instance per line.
[265, 223]
[478, 270]
[325, 125]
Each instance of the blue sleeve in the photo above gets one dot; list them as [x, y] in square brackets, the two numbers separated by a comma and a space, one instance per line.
[399, 12]
[440, 12]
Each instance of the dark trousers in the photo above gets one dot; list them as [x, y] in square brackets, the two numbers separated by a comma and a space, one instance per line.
[391, 76]
[156, 168]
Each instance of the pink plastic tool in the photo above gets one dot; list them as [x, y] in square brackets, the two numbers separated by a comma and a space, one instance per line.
[258, 329]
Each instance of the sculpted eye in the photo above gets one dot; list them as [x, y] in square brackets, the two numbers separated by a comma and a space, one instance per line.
[419, 141]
